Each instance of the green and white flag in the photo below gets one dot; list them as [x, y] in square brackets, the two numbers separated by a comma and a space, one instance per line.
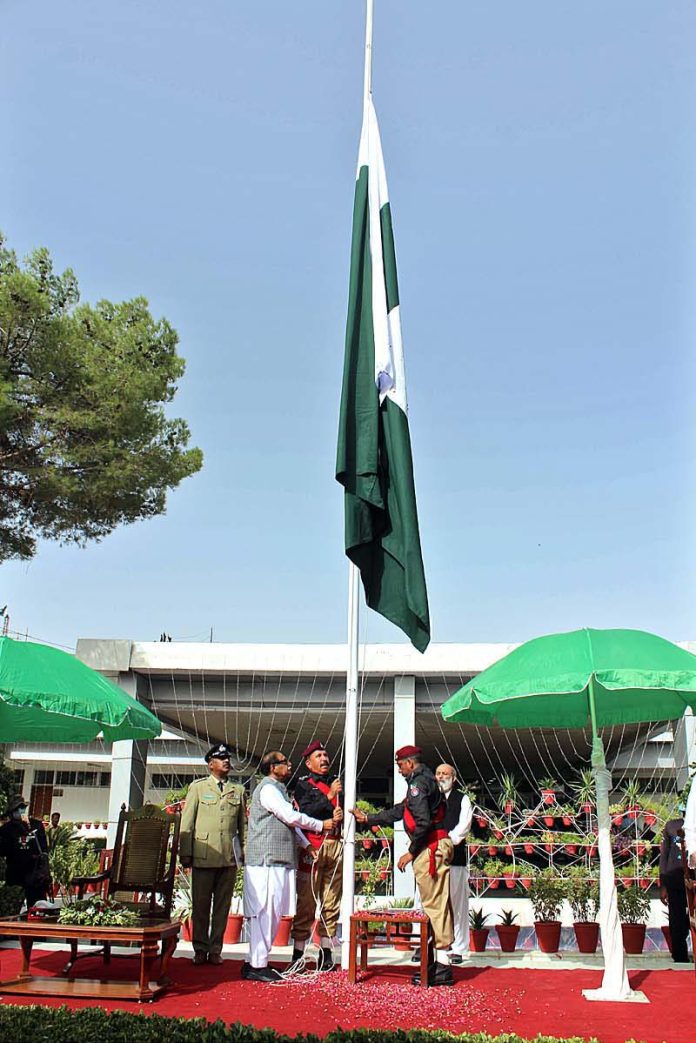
[374, 462]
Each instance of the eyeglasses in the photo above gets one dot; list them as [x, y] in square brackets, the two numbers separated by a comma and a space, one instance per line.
[284, 761]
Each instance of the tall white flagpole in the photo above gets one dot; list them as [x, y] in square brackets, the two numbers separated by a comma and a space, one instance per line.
[351, 731]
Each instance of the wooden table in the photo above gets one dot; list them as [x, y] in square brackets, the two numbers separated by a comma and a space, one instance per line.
[359, 936]
[147, 937]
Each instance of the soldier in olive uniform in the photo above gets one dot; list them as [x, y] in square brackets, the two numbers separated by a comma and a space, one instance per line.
[213, 830]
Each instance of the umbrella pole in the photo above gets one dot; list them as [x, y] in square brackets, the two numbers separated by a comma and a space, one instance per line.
[615, 985]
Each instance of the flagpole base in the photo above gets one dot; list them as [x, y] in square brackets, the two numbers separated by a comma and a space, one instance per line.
[607, 996]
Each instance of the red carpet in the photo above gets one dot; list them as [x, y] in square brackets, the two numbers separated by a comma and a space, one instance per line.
[483, 999]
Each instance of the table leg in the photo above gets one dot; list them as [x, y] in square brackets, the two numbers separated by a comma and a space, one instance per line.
[352, 952]
[26, 944]
[364, 946]
[148, 955]
[424, 946]
[168, 947]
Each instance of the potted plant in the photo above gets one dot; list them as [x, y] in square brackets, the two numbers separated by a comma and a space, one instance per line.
[591, 844]
[567, 815]
[235, 917]
[478, 932]
[632, 798]
[571, 842]
[547, 788]
[525, 872]
[386, 834]
[549, 820]
[493, 870]
[546, 893]
[548, 839]
[183, 903]
[509, 876]
[527, 841]
[584, 790]
[507, 930]
[582, 892]
[530, 817]
[617, 813]
[634, 910]
[509, 793]
[474, 845]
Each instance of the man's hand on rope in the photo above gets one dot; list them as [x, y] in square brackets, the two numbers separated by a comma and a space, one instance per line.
[335, 788]
[359, 815]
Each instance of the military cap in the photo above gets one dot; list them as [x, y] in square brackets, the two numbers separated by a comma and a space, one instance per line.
[220, 750]
[312, 748]
[407, 751]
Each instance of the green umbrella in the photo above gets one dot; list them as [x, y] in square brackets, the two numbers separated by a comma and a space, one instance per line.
[597, 677]
[50, 696]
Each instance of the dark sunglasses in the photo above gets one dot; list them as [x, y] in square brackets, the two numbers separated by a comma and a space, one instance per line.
[284, 761]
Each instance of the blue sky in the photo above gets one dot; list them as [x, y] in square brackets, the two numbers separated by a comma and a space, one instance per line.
[541, 162]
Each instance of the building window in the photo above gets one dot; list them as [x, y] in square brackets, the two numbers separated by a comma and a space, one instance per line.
[18, 778]
[43, 777]
[170, 780]
[83, 778]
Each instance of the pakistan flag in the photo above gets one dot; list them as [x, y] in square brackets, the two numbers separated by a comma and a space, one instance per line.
[374, 462]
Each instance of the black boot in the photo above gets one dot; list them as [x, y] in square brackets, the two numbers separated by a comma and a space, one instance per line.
[438, 974]
[297, 955]
[326, 961]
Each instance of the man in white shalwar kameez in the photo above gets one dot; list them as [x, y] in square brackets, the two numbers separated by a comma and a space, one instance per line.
[273, 836]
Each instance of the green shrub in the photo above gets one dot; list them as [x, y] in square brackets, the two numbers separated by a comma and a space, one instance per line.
[546, 893]
[35, 1024]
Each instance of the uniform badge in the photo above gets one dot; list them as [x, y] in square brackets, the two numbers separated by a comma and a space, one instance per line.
[414, 791]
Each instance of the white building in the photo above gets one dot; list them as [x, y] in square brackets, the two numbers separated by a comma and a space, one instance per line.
[261, 697]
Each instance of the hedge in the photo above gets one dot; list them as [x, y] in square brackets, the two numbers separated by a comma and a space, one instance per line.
[35, 1024]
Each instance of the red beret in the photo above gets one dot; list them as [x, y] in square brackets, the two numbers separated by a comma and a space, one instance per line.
[407, 751]
[312, 748]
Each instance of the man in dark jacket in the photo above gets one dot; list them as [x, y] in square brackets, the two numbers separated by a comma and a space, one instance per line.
[672, 889]
[320, 874]
[23, 843]
[430, 850]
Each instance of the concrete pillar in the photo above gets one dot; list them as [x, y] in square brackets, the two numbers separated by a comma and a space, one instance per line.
[684, 746]
[404, 735]
[128, 769]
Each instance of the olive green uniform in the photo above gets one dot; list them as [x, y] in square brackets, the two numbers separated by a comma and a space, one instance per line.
[212, 818]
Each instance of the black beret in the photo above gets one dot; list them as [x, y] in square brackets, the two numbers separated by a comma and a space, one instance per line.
[220, 750]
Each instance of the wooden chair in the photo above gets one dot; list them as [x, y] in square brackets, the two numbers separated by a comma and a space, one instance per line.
[141, 870]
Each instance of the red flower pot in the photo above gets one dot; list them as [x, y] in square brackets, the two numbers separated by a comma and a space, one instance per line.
[531, 820]
[640, 849]
[548, 847]
[233, 931]
[482, 822]
[633, 937]
[591, 849]
[283, 933]
[384, 874]
[367, 843]
[492, 849]
[526, 882]
[529, 849]
[508, 849]
[572, 849]
[587, 936]
[474, 849]
[494, 882]
[549, 795]
[508, 807]
[567, 820]
[478, 939]
[549, 820]
[634, 811]
[617, 819]
[385, 842]
[644, 883]
[510, 882]
[650, 819]
[498, 834]
[586, 808]
[548, 934]
[507, 936]
[187, 930]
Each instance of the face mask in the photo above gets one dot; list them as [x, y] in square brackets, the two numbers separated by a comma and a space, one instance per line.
[19, 813]
[446, 785]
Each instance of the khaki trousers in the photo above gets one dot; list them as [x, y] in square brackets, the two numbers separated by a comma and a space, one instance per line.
[435, 891]
[323, 885]
[211, 887]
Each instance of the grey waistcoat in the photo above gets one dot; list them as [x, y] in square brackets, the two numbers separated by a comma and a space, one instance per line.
[269, 841]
